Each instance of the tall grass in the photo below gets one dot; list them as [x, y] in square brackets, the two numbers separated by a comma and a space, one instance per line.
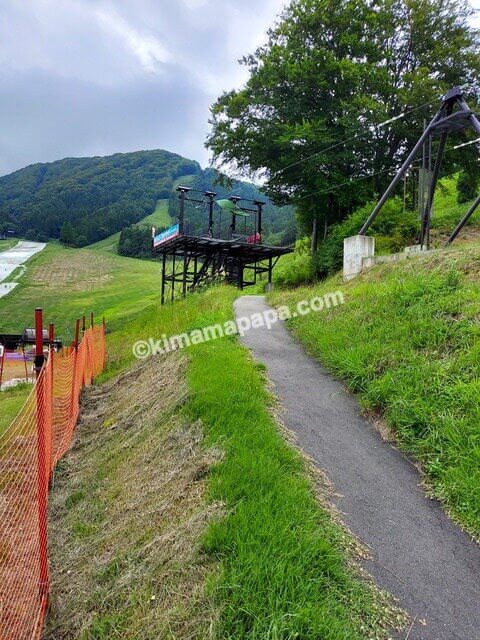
[447, 212]
[408, 341]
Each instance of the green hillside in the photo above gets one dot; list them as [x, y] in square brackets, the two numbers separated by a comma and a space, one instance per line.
[95, 196]
[85, 200]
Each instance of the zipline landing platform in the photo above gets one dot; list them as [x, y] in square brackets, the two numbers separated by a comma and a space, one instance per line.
[201, 258]
[196, 260]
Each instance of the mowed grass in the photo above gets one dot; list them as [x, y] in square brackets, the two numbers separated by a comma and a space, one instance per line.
[7, 244]
[160, 217]
[12, 400]
[68, 283]
[407, 340]
[131, 495]
[284, 565]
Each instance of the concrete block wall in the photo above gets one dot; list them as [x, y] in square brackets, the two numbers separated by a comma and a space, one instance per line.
[359, 255]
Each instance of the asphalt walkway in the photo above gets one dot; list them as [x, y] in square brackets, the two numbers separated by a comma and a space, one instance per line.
[418, 554]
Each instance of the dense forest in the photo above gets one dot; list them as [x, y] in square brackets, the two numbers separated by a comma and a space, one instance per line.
[82, 200]
[278, 223]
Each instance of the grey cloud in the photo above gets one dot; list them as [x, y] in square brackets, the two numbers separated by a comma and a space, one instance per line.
[87, 77]
[50, 118]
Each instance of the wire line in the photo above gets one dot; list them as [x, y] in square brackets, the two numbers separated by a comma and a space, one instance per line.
[355, 137]
[372, 175]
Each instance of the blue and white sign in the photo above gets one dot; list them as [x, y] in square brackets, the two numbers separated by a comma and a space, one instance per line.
[168, 234]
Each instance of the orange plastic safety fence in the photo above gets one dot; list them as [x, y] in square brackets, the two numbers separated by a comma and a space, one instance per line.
[29, 449]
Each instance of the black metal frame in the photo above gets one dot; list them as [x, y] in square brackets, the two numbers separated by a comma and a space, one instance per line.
[16, 340]
[444, 122]
[196, 261]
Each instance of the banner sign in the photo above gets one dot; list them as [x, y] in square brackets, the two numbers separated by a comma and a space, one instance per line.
[168, 234]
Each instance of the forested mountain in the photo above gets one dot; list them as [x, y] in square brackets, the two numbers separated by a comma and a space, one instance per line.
[278, 223]
[89, 197]
[82, 200]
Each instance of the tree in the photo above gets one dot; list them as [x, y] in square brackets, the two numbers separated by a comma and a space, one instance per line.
[67, 234]
[31, 234]
[332, 70]
[136, 241]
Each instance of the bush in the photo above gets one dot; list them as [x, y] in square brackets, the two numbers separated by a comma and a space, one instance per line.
[136, 242]
[393, 228]
[467, 186]
[296, 268]
[31, 234]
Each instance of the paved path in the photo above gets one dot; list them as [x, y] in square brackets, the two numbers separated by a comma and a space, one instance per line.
[13, 258]
[418, 554]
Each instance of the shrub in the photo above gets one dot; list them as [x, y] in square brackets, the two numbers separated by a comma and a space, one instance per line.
[136, 241]
[467, 186]
[296, 268]
[393, 228]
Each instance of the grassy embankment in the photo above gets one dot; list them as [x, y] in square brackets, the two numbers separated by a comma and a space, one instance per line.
[11, 401]
[7, 244]
[447, 213]
[272, 563]
[407, 340]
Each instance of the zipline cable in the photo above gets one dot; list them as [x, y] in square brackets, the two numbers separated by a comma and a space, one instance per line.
[355, 137]
[374, 174]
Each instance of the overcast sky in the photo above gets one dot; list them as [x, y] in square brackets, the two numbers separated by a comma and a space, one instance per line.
[93, 77]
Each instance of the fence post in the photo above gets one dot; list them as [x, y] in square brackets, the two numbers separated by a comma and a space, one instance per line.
[92, 337]
[2, 361]
[51, 338]
[74, 372]
[84, 328]
[42, 479]
[104, 326]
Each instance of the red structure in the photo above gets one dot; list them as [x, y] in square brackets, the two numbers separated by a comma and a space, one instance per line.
[29, 450]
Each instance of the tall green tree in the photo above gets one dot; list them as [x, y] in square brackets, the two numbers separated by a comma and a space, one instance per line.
[67, 234]
[333, 69]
